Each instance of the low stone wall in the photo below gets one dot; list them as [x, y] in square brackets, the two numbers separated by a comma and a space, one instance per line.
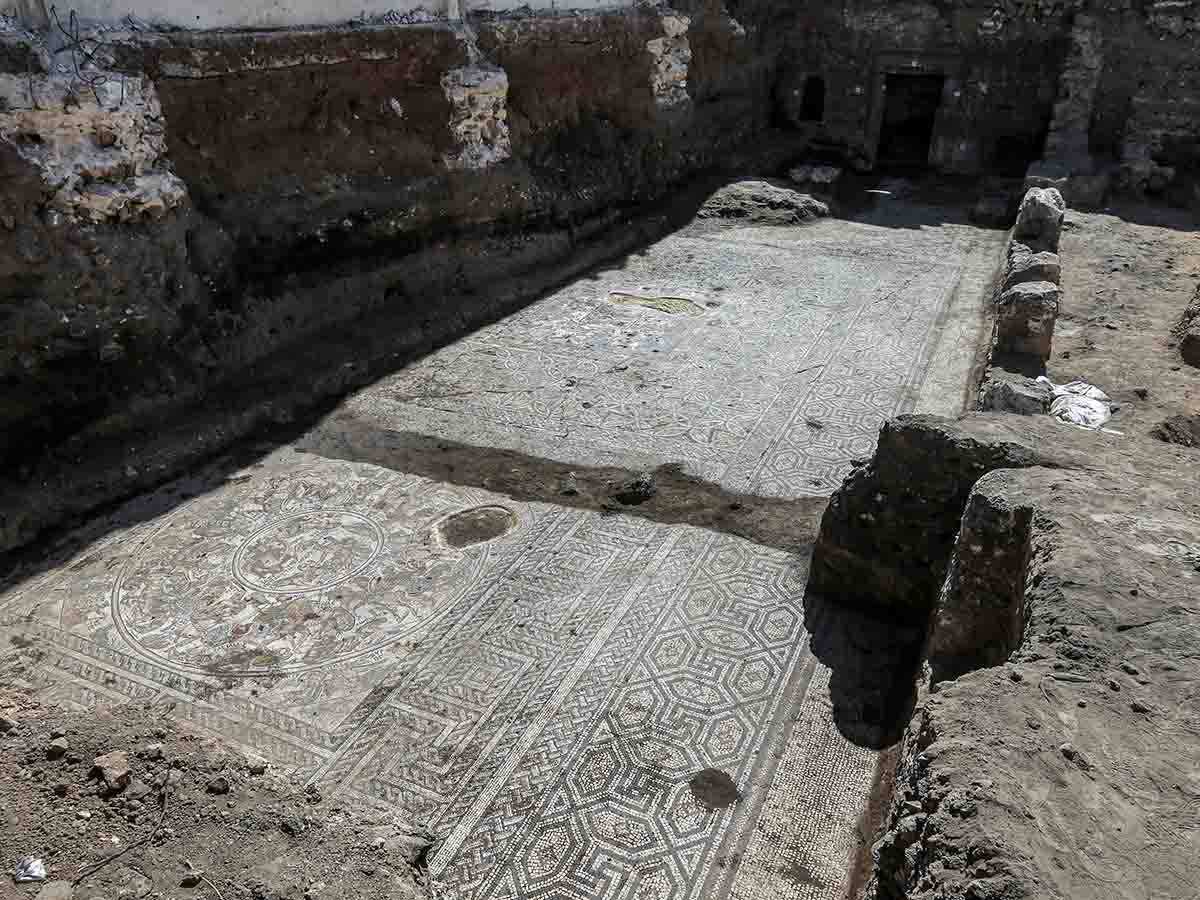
[889, 531]
[1026, 308]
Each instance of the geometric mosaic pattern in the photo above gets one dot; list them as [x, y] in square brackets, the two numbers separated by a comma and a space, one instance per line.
[808, 339]
[543, 700]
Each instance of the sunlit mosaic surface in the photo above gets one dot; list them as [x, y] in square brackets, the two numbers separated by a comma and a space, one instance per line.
[542, 699]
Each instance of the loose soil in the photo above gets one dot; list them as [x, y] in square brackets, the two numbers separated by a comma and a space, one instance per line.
[1127, 275]
[180, 816]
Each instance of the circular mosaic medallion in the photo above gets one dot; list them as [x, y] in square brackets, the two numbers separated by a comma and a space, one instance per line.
[296, 572]
[307, 551]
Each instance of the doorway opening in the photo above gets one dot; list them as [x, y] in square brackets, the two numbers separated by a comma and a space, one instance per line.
[909, 112]
[812, 103]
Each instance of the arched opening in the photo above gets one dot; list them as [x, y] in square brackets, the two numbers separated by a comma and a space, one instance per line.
[812, 103]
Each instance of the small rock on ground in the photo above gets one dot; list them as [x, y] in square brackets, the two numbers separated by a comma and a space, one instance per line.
[1183, 430]
[113, 769]
[815, 174]
[636, 491]
[57, 748]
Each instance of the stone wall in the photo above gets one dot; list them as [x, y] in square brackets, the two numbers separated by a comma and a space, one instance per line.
[1001, 75]
[1128, 104]
[191, 203]
[1160, 145]
[179, 204]
[1088, 85]
[889, 531]
[215, 14]
[1027, 300]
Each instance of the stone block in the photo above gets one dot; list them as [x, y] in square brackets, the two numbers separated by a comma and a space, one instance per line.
[672, 56]
[1040, 218]
[1010, 392]
[101, 154]
[1025, 317]
[980, 612]
[1025, 265]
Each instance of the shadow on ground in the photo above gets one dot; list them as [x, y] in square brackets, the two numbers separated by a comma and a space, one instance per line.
[668, 494]
[873, 663]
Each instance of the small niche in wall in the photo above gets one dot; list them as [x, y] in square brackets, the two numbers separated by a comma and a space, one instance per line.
[812, 102]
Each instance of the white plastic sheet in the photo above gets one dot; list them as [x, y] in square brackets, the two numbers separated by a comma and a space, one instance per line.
[29, 868]
[1079, 403]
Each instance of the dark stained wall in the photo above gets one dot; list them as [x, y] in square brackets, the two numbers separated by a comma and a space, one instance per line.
[1003, 61]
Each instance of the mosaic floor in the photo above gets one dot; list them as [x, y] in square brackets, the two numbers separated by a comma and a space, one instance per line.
[580, 704]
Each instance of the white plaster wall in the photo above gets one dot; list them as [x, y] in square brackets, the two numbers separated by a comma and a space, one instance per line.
[222, 13]
[546, 5]
[205, 14]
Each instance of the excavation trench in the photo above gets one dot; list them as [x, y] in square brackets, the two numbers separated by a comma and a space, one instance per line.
[543, 589]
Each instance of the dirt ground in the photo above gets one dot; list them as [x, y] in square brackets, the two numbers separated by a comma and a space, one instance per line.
[1127, 275]
[173, 814]
[1053, 754]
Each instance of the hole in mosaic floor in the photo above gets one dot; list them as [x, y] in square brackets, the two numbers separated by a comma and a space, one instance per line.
[475, 526]
[714, 789]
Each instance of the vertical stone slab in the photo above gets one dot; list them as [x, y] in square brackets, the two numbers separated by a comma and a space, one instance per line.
[101, 152]
[672, 55]
[981, 610]
[478, 96]
[1025, 317]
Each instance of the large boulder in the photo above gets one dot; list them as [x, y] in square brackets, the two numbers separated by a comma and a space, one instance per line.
[1040, 218]
[1025, 316]
[755, 202]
